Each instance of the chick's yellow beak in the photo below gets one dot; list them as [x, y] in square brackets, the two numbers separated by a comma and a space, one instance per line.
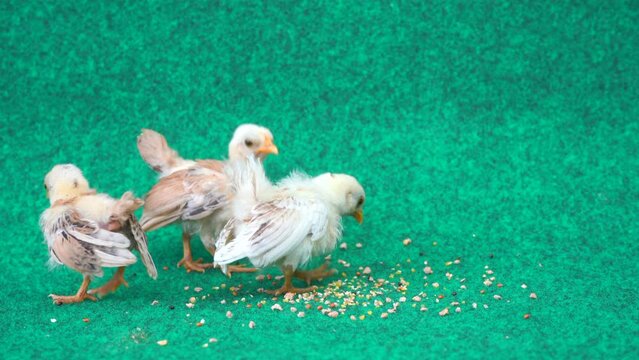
[268, 148]
[359, 215]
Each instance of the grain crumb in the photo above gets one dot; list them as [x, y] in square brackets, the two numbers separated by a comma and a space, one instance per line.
[251, 324]
[533, 295]
[407, 242]
[444, 312]
[229, 314]
[162, 342]
[277, 307]
[384, 315]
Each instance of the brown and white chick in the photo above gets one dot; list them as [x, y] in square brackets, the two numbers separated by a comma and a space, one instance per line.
[87, 231]
[288, 224]
[196, 193]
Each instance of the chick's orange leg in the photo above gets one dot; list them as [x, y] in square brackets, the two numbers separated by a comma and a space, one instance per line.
[80, 296]
[230, 269]
[321, 272]
[113, 284]
[187, 260]
[288, 285]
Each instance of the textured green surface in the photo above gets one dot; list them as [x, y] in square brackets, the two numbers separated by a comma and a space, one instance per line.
[489, 128]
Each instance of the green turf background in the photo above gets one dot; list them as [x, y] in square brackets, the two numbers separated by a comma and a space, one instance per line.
[489, 127]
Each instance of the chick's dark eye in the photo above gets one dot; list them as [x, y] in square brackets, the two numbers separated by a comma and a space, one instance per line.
[45, 187]
[248, 143]
[360, 202]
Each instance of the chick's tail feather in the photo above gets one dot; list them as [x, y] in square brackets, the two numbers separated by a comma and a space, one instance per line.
[141, 244]
[156, 152]
[231, 253]
[229, 249]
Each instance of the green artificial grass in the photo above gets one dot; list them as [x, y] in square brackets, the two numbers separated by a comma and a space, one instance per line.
[490, 127]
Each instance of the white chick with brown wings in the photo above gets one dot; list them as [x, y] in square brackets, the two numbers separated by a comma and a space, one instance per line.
[196, 193]
[288, 224]
[87, 232]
